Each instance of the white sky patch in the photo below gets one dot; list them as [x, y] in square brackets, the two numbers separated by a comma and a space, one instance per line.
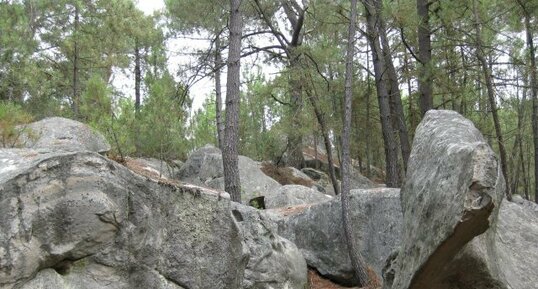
[179, 53]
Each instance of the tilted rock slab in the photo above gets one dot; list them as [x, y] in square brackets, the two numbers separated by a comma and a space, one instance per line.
[318, 233]
[64, 134]
[273, 262]
[204, 168]
[452, 193]
[79, 220]
[293, 195]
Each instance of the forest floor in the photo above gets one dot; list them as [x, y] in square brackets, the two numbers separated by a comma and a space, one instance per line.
[318, 282]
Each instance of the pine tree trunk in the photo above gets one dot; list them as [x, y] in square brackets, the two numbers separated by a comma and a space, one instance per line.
[356, 259]
[230, 157]
[138, 78]
[327, 141]
[424, 55]
[391, 150]
[76, 96]
[395, 96]
[491, 98]
[218, 93]
[534, 93]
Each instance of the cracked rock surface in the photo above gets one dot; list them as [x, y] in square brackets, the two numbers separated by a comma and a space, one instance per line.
[79, 220]
[452, 194]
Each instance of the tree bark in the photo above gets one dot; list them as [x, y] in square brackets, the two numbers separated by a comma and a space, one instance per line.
[534, 92]
[395, 96]
[218, 93]
[491, 98]
[138, 78]
[327, 141]
[230, 159]
[425, 55]
[391, 150]
[356, 259]
[76, 96]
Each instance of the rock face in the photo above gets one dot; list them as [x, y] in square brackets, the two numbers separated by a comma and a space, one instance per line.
[317, 231]
[64, 134]
[204, 167]
[452, 193]
[516, 244]
[292, 195]
[79, 220]
[273, 262]
[157, 167]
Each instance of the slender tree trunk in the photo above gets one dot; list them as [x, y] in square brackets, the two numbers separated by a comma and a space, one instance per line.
[230, 157]
[76, 96]
[327, 141]
[534, 93]
[368, 125]
[357, 261]
[395, 96]
[391, 150]
[491, 98]
[138, 78]
[218, 93]
[425, 55]
[295, 156]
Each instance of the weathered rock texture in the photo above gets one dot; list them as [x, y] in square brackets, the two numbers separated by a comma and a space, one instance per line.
[204, 167]
[64, 134]
[159, 168]
[452, 193]
[292, 195]
[273, 262]
[317, 231]
[80, 220]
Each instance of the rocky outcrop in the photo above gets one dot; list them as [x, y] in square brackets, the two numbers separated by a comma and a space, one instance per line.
[273, 262]
[292, 195]
[317, 231]
[63, 134]
[204, 167]
[159, 168]
[79, 220]
[452, 193]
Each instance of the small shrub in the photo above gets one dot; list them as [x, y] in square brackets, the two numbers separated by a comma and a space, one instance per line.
[13, 121]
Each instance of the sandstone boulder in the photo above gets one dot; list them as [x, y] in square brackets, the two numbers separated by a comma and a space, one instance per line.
[79, 220]
[292, 195]
[204, 167]
[273, 262]
[156, 167]
[452, 193]
[318, 233]
[63, 134]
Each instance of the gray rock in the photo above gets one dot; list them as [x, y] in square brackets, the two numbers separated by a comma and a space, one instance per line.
[63, 134]
[317, 231]
[516, 240]
[158, 167]
[292, 195]
[274, 262]
[452, 186]
[95, 222]
[204, 168]
[313, 173]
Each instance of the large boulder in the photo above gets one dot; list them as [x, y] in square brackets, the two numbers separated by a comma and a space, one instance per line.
[452, 193]
[64, 134]
[79, 220]
[273, 262]
[159, 168]
[317, 231]
[516, 240]
[204, 167]
[292, 195]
